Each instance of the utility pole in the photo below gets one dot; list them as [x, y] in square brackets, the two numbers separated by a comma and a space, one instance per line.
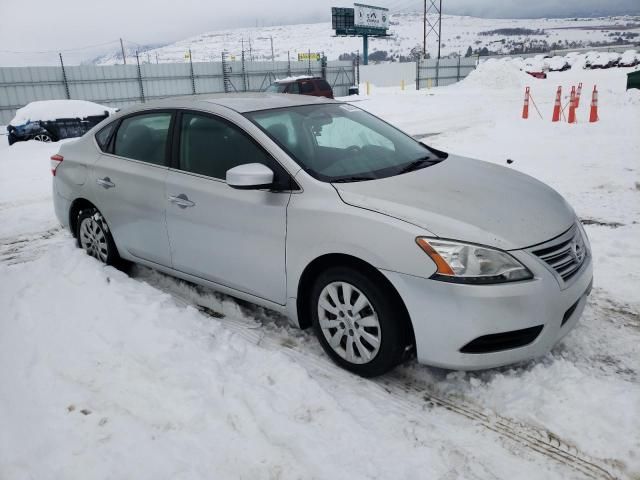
[124, 57]
[273, 58]
[439, 28]
[424, 30]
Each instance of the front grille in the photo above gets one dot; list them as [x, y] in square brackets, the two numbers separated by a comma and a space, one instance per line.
[566, 256]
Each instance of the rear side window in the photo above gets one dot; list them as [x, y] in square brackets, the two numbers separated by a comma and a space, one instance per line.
[144, 137]
[104, 135]
[323, 85]
[306, 87]
[294, 88]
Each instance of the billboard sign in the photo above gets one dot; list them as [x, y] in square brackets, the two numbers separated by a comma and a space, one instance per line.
[370, 16]
[302, 57]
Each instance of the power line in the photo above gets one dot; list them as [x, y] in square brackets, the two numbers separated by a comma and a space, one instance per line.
[58, 50]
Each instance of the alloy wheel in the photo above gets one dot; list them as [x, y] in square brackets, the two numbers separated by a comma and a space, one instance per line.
[41, 137]
[93, 239]
[349, 322]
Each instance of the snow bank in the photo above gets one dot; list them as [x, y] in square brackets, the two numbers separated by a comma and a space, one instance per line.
[497, 74]
[51, 109]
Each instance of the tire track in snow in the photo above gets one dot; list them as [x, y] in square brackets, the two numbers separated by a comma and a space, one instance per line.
[406, 394]
[25, 248]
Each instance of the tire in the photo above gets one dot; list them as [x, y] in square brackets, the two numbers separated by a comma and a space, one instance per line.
[43, 137]
[366, 349]
[94, 237]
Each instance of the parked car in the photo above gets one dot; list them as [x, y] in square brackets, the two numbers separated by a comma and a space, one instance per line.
[558, 64]
[323, 212]
[314, 86]
[53, 120]
[630, 58]
[536, 66]
[602, 60]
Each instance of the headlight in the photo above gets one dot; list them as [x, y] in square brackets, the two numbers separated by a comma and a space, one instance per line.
[465, 263]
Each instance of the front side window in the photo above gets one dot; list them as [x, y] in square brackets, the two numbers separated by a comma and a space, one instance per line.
[210, 146]
[276, 88]
[341, 143]
[144, 137]
[294, 88]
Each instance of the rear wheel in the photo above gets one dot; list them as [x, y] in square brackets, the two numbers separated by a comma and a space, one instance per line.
[358, 323]
[95, 238]
[43, 137]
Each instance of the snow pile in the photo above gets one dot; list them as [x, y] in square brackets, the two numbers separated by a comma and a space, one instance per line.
[293, 78]
[52, 109]
[497, 74]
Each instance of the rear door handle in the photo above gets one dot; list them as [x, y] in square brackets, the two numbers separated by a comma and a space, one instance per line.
[181, 200]
[105, 182]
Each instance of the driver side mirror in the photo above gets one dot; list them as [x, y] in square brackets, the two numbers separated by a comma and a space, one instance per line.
[250, 176]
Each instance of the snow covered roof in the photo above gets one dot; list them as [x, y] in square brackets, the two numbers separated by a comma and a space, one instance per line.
[53, 109]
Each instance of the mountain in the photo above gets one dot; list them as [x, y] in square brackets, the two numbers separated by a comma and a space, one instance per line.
[459, 33]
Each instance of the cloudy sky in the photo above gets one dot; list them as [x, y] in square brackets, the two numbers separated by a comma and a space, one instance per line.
[39, 25]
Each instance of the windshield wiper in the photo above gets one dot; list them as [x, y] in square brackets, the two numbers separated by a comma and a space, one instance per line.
[352, 179]
[418, 164]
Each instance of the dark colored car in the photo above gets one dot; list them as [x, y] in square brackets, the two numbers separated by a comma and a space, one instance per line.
[314, 86]
[53, 130]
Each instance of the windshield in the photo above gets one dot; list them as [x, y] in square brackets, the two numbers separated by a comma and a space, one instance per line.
[276, 87]
[341, 143]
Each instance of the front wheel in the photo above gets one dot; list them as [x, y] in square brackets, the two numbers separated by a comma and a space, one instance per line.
[95, 238]
[358, 321]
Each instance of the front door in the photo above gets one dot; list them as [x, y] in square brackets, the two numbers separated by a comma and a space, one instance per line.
[235, 238]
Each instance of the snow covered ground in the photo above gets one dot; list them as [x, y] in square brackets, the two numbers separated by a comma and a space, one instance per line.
[406, 32]
[113, 375]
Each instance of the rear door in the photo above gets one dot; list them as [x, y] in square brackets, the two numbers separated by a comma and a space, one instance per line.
[130, 178]
[235, 238]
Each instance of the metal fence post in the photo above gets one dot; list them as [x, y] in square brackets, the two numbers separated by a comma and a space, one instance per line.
[358, 68]
[64, 77]
[437, 72]
[309, 62]
[458, 77]
[226, 81]
[418, 74]
[193, 79]
[140, 78]
[323, 66]
[244, 72]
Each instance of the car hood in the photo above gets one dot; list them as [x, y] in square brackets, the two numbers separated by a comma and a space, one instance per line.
[468, 200]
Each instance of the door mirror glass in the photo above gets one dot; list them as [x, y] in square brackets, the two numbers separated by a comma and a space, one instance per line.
[250, 176]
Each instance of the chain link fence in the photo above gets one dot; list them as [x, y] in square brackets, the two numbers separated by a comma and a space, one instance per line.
[122, 85]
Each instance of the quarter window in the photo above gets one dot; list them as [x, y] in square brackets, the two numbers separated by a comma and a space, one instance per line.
[104, 135]
[144, 137]
[211, 146]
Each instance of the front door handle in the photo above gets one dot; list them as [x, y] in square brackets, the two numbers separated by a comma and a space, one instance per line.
[181, 200]
[105, 182]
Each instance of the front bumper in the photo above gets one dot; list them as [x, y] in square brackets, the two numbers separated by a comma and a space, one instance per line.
[448, 316]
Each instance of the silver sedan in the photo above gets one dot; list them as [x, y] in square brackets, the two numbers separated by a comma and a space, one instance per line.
[387, 247]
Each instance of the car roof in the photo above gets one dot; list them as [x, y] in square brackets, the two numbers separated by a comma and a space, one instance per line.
[240, 102]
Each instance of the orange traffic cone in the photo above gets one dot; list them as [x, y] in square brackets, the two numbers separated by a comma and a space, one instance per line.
[556, 107]
[593, 114]
[578, 93]
[572, 106]
[525, 107]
